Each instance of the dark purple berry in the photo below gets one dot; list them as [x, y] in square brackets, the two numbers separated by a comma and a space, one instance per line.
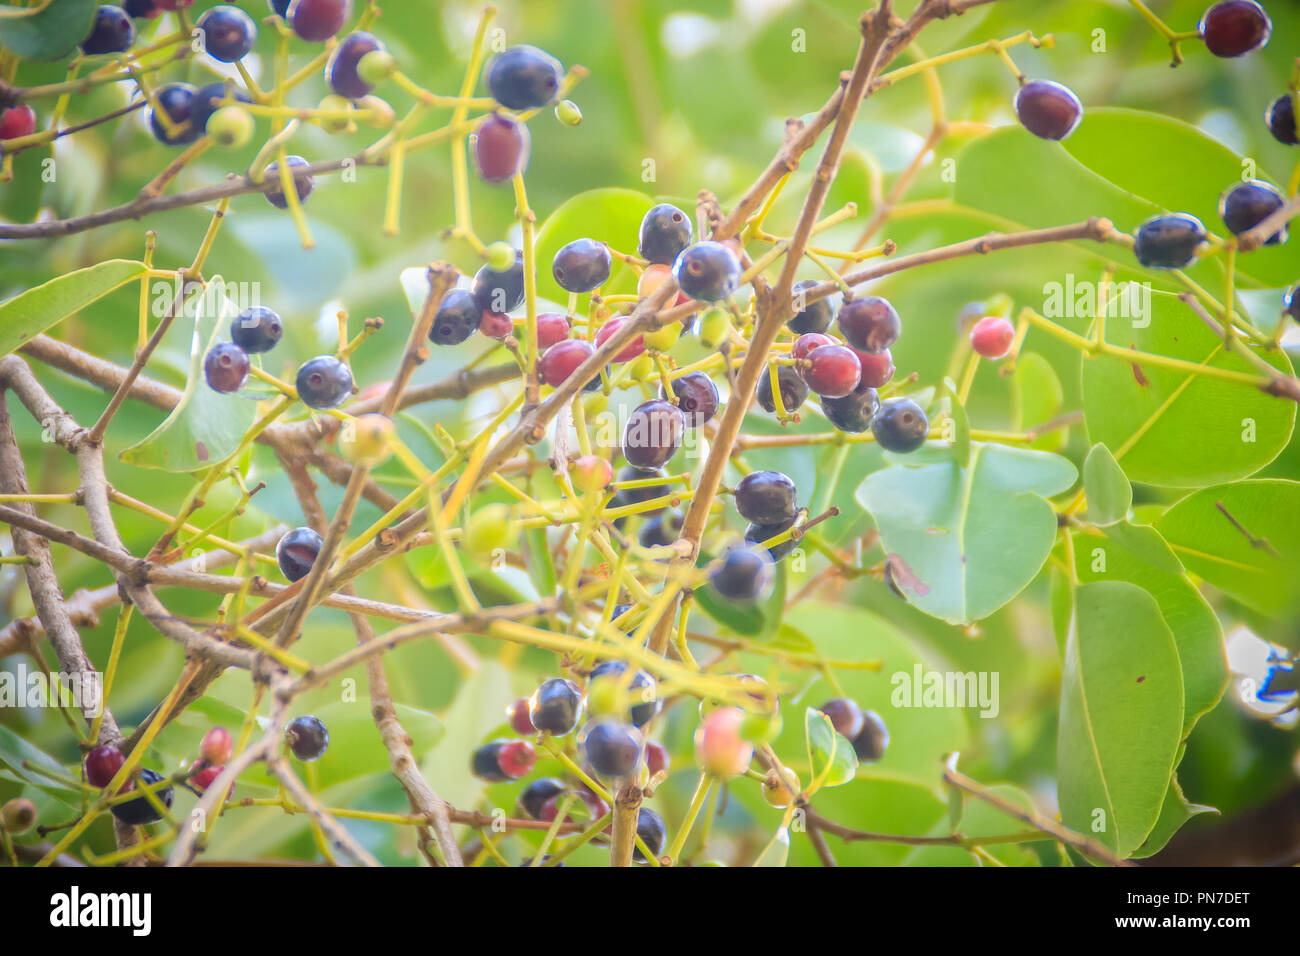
[665, 232]
[556, 707]
[307, 737]
[642, 686]
[102, 765]
[228, 33]
[1048, 110]
[280, 7]
[744, 574]
[1247, 204]
[256, 329]
[501, 148]
[324, 382]
[612, 748]
[872, 739]
[502, 760]
[1281, 120]
[297, 551]
[1168, 241]
[535, 796]
[794, 390]
[707, 271]
[853, 412]
[766, 497]
[1291, 302]
[457, 318]
[634, 496]
[141, 9]
[869, 324]
[581, 266]
[303, 182]
[900, 425]
[815, 316]
[341, 71]
[650, 828]
[697, 397]
[758, 533]
[318, 20]
[1235, 27]
[112, 32]
[653, 433]
[500, 291]
[524, 78]
[225, 367]
[661, 530]
[140, 811]
[208, 99]
[177, 101]
[846, 716]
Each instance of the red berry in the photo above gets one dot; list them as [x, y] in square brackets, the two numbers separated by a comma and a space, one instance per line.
[809, 341]
[562, 359]
[629, 351]
[992, 336]
[832, 371]
[516, 758]
[501, 148]
[551, 328]
[102, 765]
[17, 121]
[1235, 27]
[877, 368]
[203, 778]
[496, 326]
[217, 746]
[517, 714]
[656, 757]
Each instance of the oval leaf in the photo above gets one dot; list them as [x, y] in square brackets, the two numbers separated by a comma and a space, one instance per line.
[830, 755]
[47, 31]
[1109, 493]
[32, 312]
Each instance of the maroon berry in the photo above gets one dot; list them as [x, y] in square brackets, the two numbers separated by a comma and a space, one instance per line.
[877, 368]
[217, 745]
[307, 737]
[697, 397]
[992, 336]
[846, 716]
[1235, 27]
[562, 359]
[516, 758]
[832, 371]
[629, 351]
[225, 367]
[551, 328]
[496, 326]
[656, 757]
[501, 148]
[303, 182]
[809, 341]
[1048, 110]
[869, 324]
[520, 722]
[102, 765]
[202, 779]
[793, 389]
[341, 71]
[318, 20]
[653, 434]
[17, 121]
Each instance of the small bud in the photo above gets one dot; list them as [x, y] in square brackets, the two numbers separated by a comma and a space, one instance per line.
[664, 338]
[375, 67]
[568, 113]
[780, 790]
[500, 256]
[487, 529]
[334, 103]
[231, 127]
[381, 113]
[367, 439]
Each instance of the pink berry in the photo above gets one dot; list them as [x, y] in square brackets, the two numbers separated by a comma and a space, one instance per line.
[496, 325]
[809, 341]
[516, 758]
[17, 121]
[832, 371]
[656, 757]
[719, 748]
[992, 336]
[562, 359]
[217, 746]
[629, 351]
[877, 368]
[551, 328]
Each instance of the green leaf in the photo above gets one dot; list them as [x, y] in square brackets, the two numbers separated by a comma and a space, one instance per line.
[1257, 559]
[14, 750]
[537, 555]
[32, 312]
[980, 819]
[1036, 398]
[961, 426]
[207, 426]
[759, 619]
[1109, 493]
[968, 539]
[478, 709]
[607, 215]
[355, 749]
[1121, 715]
[830, 754]
[777, 851]
[1174, 812]
[47, 31]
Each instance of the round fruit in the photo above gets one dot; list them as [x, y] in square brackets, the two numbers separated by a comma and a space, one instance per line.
[793, 389]
[487, 530]
[496, 326]
[781, 790]
[556, 707]
[766, 497]
[207, 102]
[524, 78]
[1247, 204]
[112, 32]
[256, 329]
[612, 748]
[992, 337]
[551, 328]
[650, 828]
[367, 438]
[744, 574]
[832, 371]
[324, 382]
[500, 290]
[663, 338]
[203, 778]
[871, 741]
[317, 20]
[176, 100]
[1280, 118]
[655, 275]
[900, 425]
[877, 368]
[1168, 242]
[303, 182]
[501, 148]
[568, 112]
[869, 324]
[296, 552]
[140, 811]
[562, 359]
[719, 748]
[307, 737]
[758, 533]
[102, 764]
[697, 397]
[846, 716]
[581, 266]
[662, 530]
[809, 341]
[503, 760]
[341, 71]
[1235, 27]
[656, 757]
[665, 232]
[457, 318]
[653, 434]
[517, 715]
[535, 796]
[642, 687]
[629, 351]
[142, 9]
[707, 271]
[18, 816]
[636, 495]
[1047, 109]
[228, 33]
[591, 473]
[217, 745]
[814, 316]
[17, 121]
[225, 367]
[230, 127]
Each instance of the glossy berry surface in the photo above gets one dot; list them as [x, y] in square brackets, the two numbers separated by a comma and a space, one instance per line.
[307, 737]
[697, 397]
[869, 324]
[208, 99]
[1235, 28]
[457, 318]
[877, 368]
[720, 748]
[852, 413]
[341, 71]
[496, 326]
[303, 182]
[661, 530]
[846, 716]
[225, 367]
[296, 552]
[665, 232]
[324, 382]
[832, 371]
[256, 329]
[502, 760]
[707, 271]
[744, 574]
[517, 716]
[17, 121]
[102, 765]
[653, 434]
[217, 745]
[501, 148]
[766, 497]
[561, 360]
[634, 347]
[140, 811]
[500, 290]
[177, 101]
[318, 20]
[758, 533]
[111, 32]
[552, 327]
[1168, 242]
[805, 343]
[556, 707]
[535, 796]
[524, 78]
[228, 33]
[872, 740]
[1048, 110]
[1281, 120]
[992, 337]
[581, 265]
[794, 390]
[641, 688]
[612, 748]
[639, 494]
[900, 425]
[652, 831]
[814, 316]
[1247, 204]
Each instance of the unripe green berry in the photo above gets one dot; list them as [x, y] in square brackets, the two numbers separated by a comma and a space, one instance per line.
[334, 103]
[642, 368]
[487, 529]
[231, 127]
[375, 67]
[367, 438]
[715, 328]
[380, 113]
[500, 256]
[603, 696]
[780, 790]
[594, 404]
[568, 113]
[664, 338]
